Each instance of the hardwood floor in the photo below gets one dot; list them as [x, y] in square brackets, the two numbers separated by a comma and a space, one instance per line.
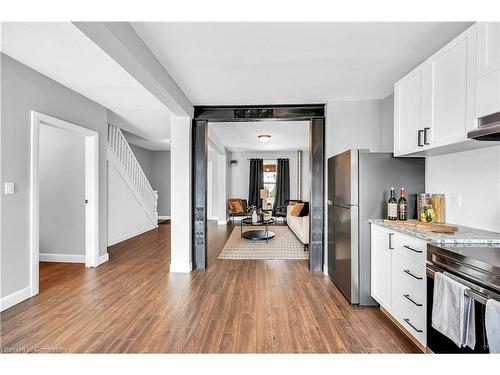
[133, 304]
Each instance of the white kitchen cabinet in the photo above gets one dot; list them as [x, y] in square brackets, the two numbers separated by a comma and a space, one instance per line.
[399, 279]
[408, 113]
[381, 265]
[434, 105]
[409, 298]
[488, 69]
[452, 91]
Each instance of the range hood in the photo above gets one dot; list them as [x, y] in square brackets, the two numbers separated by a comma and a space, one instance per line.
[488, 129]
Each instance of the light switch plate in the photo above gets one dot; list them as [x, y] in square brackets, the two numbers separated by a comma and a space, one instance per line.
[9, 188]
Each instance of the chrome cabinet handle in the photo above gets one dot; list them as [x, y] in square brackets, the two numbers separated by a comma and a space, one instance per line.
[426, 138]
[407, 296]
[420, 134]
[412, 326]
[390, 241]
[412, 249]
[412, 275]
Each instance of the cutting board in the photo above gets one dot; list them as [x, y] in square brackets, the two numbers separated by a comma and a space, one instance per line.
[432, 227]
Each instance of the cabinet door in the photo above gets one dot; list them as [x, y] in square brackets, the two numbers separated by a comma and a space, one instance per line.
[452, 78]
[407, 113]
[488, 69]
[381, 264]
[488, 48]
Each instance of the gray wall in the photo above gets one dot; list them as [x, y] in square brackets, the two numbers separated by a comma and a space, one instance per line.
[62, 191]
[156, 167]
[212, 158]
[160, 180]
[143, 156]
[359, 124]
[387, 142]
[24, 90]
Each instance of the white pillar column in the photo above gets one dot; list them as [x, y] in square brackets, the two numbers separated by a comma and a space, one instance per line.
[180, 180]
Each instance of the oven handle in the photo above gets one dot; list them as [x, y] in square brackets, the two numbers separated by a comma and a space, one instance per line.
[482, 298]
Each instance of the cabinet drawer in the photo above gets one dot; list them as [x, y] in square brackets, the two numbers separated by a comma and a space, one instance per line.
[411, 248]
[409, 296]
[408, 277]
[413, 320]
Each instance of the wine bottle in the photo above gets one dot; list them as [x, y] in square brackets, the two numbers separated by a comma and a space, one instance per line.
[392, 207]
[402, 205]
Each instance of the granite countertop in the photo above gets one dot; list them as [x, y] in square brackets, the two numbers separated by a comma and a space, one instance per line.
[464, 235]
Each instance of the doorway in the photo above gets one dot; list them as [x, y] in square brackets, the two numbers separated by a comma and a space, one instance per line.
[314, 114]
[90, 189]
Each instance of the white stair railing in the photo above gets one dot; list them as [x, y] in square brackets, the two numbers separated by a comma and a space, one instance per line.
[126, 157]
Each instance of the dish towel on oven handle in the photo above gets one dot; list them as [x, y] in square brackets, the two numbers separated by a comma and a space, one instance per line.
[492, 325]
[453, 311]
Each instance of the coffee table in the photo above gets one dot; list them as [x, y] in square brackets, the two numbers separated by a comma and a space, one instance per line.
[258, 234]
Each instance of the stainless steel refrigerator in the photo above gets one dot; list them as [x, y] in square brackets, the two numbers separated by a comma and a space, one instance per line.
[359, 184]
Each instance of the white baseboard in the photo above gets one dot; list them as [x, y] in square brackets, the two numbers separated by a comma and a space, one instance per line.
[63, 258]
[238, 218]
[222, 222]
[130, 235]
[102, 259]
[14, 298]
[164, 217]
[325, 269]
[181, 268]
[213, 218]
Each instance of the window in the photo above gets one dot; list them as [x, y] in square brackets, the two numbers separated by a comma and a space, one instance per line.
[270, 167]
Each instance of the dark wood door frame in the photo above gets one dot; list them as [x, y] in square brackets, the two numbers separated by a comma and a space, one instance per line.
[314, 113]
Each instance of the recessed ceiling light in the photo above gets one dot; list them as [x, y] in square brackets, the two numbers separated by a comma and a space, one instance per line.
[264, 137]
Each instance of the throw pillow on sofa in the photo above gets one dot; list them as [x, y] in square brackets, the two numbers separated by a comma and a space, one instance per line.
[305, 209]
[297, 208]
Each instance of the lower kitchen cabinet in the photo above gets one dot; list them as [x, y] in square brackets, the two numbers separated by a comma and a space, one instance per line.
[398, 278]
[381, 266]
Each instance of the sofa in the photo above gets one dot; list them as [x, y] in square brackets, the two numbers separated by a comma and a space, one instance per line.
[298, 225]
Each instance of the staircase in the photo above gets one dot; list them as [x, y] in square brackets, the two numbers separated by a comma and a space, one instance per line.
[132, 202]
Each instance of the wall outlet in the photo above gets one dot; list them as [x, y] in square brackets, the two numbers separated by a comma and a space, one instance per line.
[9, 188]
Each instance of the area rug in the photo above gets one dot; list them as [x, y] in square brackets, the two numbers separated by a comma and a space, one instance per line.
[285, 245]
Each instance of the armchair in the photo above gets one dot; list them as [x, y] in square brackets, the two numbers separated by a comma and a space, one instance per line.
[233, 213]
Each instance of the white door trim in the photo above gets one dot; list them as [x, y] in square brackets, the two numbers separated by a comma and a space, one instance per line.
[91, 191]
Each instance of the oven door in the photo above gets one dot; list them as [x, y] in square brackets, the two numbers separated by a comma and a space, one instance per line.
[439, 343]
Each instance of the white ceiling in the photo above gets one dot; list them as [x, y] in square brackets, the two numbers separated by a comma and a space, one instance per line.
[62, 52]
[242, 136]
[273, 63]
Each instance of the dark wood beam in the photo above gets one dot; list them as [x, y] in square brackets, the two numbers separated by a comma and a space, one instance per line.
[259, 113]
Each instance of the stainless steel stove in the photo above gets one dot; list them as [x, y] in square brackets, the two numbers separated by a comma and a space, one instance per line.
[475, 266]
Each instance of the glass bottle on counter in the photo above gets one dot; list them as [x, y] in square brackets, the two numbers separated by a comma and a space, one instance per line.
[402, 205]
[392, 207]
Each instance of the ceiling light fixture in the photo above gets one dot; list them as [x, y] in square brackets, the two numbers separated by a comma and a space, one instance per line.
[264, 137]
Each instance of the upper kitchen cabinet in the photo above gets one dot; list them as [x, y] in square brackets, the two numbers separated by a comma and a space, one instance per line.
[488, 69]
[452, 91]
[442, 109]
[408, 113]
